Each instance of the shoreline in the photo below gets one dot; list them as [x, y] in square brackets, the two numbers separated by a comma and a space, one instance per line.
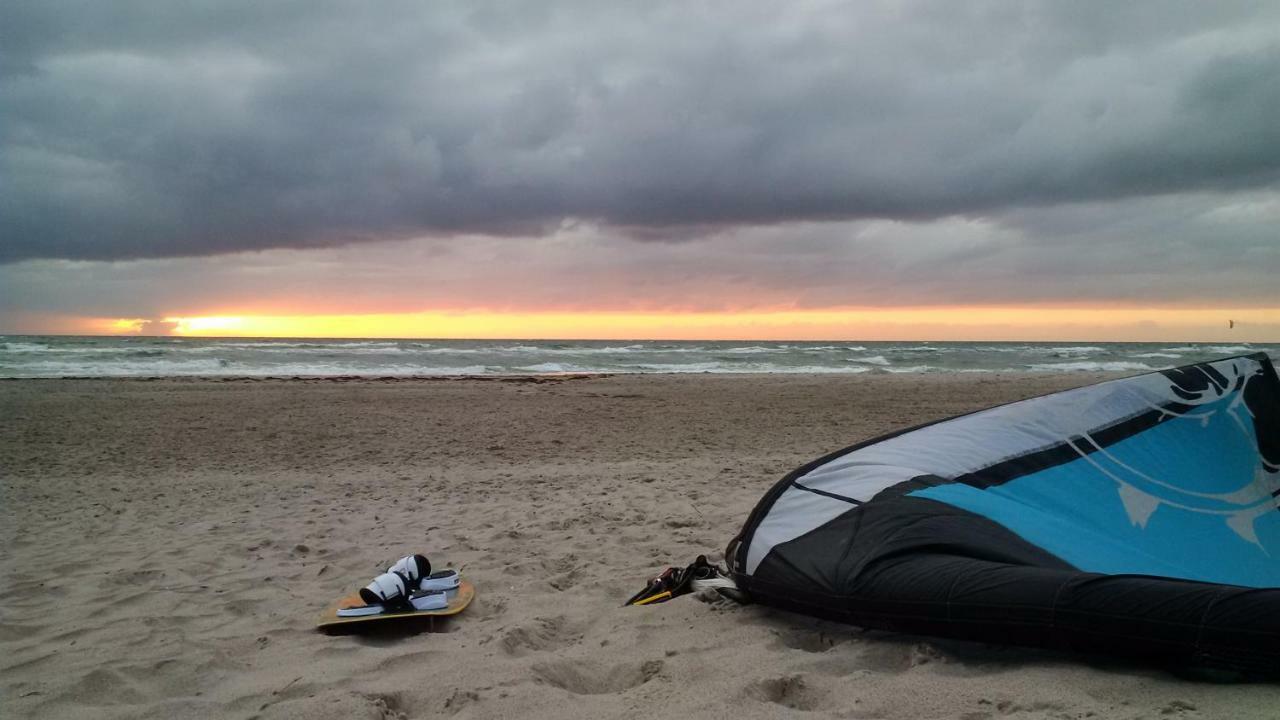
[527, 378]
[1087, 375]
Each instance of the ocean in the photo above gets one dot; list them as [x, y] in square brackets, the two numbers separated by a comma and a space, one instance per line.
[63, 356]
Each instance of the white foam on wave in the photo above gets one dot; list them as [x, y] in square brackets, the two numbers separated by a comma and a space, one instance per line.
[753, 368]
[1078, 349]
[38, 356]
[552, 367]
[332, 370]
[214, 367]
[530, 349]
[251, 345]
[140, 368]
[1058, 350]
[751, 350]
[614, 350]
[610, 350]
[1220, 349]
[299, 348]
[24, 347]
[1004, 349]
[818, 370]
[679, 367]
[140, 350]
[911, 369]
[814, 370]
[1090, 366]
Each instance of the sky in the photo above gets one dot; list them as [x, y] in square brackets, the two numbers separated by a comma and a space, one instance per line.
[895, 170]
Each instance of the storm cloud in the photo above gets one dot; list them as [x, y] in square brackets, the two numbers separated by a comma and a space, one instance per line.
[1211, 255]
[152, 130]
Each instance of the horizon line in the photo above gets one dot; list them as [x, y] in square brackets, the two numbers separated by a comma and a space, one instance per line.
[389, 338]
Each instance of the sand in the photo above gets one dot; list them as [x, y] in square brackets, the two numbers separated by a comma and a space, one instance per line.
[169, 544]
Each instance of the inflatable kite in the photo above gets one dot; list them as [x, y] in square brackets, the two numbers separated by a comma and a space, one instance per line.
[1136, 516]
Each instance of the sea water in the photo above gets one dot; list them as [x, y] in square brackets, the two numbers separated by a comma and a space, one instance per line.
[62, 356]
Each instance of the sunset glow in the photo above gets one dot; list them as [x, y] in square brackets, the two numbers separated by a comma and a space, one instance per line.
[952, 323]
[126, 326]
[212, 326]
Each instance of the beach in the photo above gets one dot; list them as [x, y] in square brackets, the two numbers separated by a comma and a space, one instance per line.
[170, 544]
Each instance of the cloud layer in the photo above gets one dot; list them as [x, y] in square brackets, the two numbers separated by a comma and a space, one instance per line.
[1210, 254]
[153, 130]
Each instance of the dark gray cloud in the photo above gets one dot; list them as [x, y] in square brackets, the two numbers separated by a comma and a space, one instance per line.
[136, 130]
[1212, 252]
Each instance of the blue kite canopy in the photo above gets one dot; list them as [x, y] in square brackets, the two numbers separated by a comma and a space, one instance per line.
[1135, 516]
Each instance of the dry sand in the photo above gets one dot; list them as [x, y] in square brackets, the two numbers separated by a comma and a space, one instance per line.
[169, 544]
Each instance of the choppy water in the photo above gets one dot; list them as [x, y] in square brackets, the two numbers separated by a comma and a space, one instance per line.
[32, 356]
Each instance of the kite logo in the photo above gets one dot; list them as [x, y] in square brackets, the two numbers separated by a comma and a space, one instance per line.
[1199, 394]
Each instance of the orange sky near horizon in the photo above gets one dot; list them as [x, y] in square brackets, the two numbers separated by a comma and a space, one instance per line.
[936, 323]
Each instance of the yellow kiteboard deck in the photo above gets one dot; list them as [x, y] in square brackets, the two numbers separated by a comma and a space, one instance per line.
[458, 601]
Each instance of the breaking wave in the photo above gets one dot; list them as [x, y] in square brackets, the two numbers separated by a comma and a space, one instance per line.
[48, 356]
[1090, 366]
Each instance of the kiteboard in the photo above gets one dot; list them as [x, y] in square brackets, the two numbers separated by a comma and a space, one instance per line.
[457, 601]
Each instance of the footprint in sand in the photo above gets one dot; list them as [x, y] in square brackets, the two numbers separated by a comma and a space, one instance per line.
[488, 607]
[592, 678]
[340, 705]
[814, 641]
[789, 691]
[541, 634]
[104, 687]
[459, 700]
[135, 578]
[898, 657]
[564, 581]
[1179, 709]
